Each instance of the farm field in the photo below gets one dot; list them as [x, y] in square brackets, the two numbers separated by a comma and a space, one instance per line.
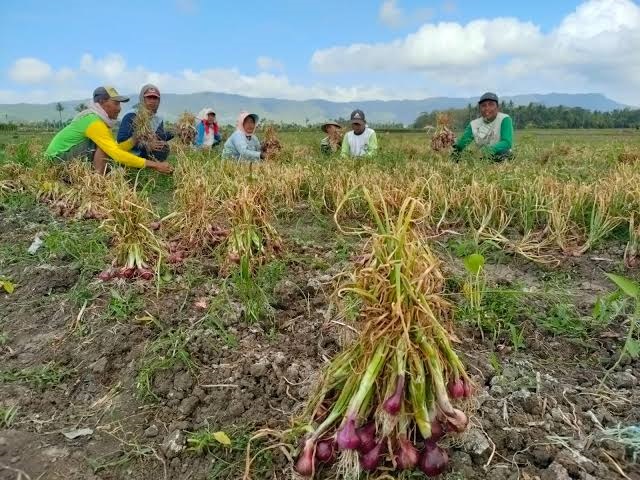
[179, 326]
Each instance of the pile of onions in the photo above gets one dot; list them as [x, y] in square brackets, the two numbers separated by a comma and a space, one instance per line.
[394, 393]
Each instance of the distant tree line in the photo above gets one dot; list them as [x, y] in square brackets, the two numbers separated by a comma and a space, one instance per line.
[536, 115]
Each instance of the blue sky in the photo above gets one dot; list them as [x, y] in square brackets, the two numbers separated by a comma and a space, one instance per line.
[330, 49]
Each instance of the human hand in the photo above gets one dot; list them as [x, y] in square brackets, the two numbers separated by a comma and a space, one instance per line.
[162, 167]
[157, 145]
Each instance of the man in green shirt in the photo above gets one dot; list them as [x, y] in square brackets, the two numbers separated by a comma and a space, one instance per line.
[89, 136]
[492, 132]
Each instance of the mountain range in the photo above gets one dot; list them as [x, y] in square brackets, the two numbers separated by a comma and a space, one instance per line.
[301, 112]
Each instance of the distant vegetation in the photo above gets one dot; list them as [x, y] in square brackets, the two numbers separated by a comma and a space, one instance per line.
[538, 116]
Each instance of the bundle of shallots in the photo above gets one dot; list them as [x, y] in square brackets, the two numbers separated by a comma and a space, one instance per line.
[186, 128]
[271, 146]
[386, 401]
[443, 138]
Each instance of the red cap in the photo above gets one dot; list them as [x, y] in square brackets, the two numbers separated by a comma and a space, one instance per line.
[152, 92]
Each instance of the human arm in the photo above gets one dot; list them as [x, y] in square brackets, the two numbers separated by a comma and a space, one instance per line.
[506, 138]
[199, 134]
[125, 131]
[345, 150]
[325, 146]
[163, 134]
[241, 145]
[464, 141]
[100, 134]
[372, 146]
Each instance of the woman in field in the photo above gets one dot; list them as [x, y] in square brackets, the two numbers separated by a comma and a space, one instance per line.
[207, 130]
[243, 144]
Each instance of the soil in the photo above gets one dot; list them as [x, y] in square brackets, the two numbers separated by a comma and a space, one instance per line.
[538, 413]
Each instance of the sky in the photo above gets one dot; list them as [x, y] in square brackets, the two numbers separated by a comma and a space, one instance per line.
[329, 49]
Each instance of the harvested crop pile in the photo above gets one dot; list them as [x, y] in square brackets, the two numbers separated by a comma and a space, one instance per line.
[443, 138]
[389, 398]
[271, 146]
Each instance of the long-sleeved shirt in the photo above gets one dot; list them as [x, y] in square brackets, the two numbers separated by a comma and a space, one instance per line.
[91, 126]
[327, 148]
[502, 146]
[363, 145]
[126, 131]
[242, 147]
[207, 140]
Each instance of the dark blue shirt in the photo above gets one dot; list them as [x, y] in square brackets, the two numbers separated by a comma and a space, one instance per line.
[125, 132]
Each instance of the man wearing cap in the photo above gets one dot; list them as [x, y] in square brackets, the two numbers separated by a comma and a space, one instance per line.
[333, 141]
[89, 136]
[207, 130]
[492, 132]
[157, 148]
[362, 140]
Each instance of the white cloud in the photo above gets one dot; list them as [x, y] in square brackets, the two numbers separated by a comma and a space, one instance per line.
[435, 45]
[30, 70]
[110, 67]
[73, 84]
[595, 48]
[268, 63]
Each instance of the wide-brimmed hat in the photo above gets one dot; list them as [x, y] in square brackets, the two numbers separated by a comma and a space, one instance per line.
[335, 124]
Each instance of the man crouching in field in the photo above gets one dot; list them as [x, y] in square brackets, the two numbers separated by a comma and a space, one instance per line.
[492, 132]
[362, 140]
[89, 136]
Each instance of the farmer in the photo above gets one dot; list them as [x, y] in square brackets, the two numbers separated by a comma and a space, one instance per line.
[333, 141]
[492, 132]
[243, 144]
[89, 136]
[157, 148]
[361, 141]
[207, 130]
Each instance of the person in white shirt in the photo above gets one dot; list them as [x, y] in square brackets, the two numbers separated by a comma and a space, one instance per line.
[362, 140]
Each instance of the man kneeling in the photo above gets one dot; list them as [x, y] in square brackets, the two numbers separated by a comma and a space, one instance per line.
[89, 136]
[492, 132]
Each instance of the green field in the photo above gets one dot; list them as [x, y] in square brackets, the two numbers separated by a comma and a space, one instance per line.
[159, 311]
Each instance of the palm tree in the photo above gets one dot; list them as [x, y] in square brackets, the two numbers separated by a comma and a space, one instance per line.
[80, 107]
[59, 109]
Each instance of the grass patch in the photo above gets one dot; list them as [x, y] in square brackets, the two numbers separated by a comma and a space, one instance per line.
[122, 305]
[4, 338]
[81, 242]
[166, 352]
[256, 293]
[7, 416]
[41, 377]
[229, 461]
[121, 458]
[563, 319]
[501, 314]
[213, 321]
[17, 201]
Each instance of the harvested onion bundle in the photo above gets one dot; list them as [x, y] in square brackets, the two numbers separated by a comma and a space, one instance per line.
[271, 146]
[443, 138]
[388, 399]
[186, 128]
